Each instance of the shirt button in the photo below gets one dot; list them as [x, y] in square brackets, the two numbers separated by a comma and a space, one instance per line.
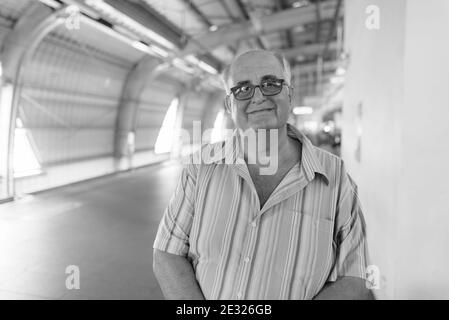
[254, 224]
[247, 259]
[239, 295]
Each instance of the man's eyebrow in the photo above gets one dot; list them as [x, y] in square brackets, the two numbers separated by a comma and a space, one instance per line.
[243, 82]
[269, 76]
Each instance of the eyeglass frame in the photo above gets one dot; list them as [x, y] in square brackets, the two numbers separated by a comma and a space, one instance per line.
[257, 86]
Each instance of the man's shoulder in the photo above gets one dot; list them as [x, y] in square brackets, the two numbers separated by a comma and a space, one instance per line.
[324, 155]
[330, 163]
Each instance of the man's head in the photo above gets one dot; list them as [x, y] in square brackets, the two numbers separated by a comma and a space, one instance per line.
[261, 111]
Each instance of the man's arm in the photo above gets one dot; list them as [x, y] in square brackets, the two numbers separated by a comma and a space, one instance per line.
[176, 277]
[345, 288]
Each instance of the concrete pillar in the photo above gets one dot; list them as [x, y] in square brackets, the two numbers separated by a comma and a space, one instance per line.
[394, 129]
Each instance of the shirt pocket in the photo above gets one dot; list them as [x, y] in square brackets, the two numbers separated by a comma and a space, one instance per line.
[316, 253]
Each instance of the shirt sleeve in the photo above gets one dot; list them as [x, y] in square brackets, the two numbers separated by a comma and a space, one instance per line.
[174, 228]
[352, 255]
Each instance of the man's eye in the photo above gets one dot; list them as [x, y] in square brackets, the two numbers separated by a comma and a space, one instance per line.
[243, 88]
[270, 84]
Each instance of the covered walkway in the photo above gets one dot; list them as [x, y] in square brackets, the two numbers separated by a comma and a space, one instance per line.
[105, 226]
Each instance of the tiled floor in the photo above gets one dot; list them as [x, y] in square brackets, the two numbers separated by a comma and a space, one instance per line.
[105, 227]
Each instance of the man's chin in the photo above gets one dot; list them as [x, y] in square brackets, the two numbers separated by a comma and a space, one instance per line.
[264, 125]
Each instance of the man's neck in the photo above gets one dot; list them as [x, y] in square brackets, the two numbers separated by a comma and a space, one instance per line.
[277, 144]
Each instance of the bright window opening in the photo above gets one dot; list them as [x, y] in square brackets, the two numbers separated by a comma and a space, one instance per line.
[164, 142]
[218, 131]
[25, 160]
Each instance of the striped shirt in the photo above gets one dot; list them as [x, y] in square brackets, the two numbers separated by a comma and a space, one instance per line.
[310, 230]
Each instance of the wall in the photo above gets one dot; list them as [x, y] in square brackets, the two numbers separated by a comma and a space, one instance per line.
[423, 260]
[394, 74]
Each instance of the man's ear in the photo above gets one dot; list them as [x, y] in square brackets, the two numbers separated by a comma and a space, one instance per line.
[290, 93]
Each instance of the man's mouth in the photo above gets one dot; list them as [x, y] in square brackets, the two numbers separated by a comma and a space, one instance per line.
[260, 110]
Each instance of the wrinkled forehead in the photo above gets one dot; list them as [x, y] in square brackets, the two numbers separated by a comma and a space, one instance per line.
[254, 66]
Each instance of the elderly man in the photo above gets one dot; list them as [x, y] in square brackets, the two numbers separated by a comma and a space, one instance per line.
[230, 232]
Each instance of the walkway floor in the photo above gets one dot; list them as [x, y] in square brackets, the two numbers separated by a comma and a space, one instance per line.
[105, 227]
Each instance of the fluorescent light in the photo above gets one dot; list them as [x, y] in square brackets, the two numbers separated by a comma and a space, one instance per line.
[51, 3]
[201, 64]
[111, 32]
[140, 46]
[125, 32]
[299, 4]
[337, 80]
[192, 59]
[206, 67]
[159, 51]
[180, 64]
[149, 49]
[152, 50]
[302, 110]
[128, 22]
[340, 71]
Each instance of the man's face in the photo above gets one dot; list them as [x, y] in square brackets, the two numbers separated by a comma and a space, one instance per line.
[259, 112]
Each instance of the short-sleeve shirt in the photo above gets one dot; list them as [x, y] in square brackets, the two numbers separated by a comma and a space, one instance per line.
[310, 231]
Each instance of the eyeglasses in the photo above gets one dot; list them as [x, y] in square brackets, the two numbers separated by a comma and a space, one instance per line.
[268, 87]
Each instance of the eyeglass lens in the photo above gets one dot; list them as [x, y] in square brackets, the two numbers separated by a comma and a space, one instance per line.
[268, 87]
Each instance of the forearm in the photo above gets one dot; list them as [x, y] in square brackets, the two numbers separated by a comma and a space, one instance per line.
[176, 277]
[345, 288]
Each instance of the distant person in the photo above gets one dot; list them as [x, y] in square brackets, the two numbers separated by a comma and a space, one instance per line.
[230, 232]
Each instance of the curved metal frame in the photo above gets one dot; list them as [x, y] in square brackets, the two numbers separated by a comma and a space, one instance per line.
[45, 27]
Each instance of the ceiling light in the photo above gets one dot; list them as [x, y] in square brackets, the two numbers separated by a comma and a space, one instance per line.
[340, 71]
[51, 3]
[152, 50]
[126, 21]
[201, 64]
[180, 64]
[302, 110]
[206, 67]
[337, 80]
[299, 4]
[159, 51]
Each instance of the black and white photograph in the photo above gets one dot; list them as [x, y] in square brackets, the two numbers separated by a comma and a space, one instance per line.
[247, 151]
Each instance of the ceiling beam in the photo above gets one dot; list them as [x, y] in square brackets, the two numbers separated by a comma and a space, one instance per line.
[283, 5]
[318, 21]
[309, 50]
[278, 21]
[248, 17]
[198, 13]
[333, 27]
[312, 67]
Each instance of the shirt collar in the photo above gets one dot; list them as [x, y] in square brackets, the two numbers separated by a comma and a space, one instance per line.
[309, 160]
[231, 151]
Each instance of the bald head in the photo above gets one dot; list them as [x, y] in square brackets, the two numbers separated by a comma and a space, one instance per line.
[246, 58]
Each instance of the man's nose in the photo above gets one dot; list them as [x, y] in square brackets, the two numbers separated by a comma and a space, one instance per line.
[258, 96]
